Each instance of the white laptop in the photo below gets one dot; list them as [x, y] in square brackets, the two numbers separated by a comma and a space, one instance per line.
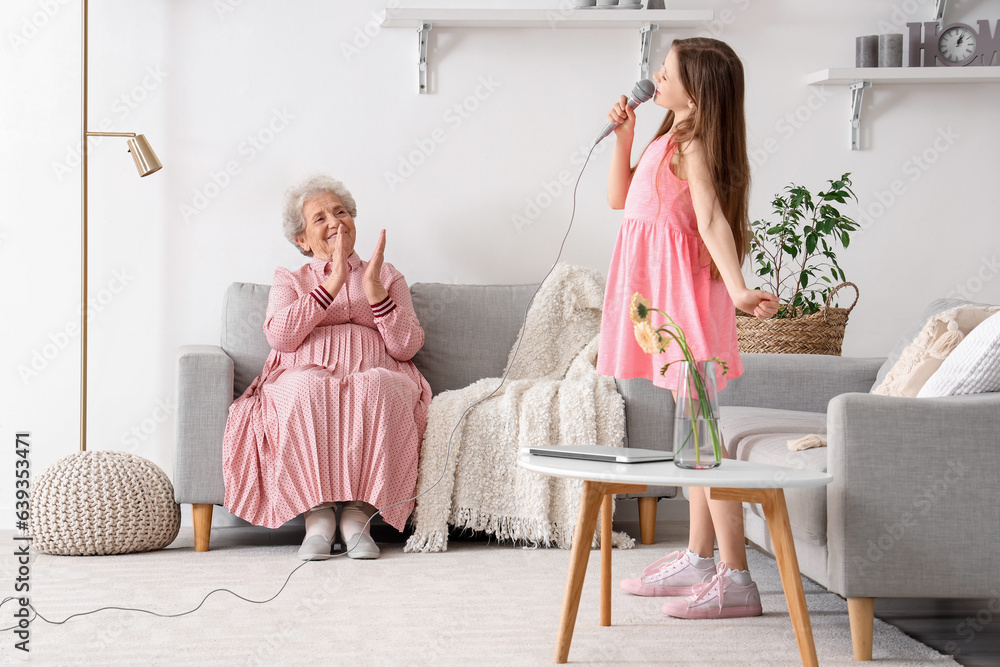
[602, 453]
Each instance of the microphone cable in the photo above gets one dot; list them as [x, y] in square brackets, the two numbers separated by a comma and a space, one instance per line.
[378, 511]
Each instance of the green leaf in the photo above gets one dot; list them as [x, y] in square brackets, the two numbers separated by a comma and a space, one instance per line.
[802, 240]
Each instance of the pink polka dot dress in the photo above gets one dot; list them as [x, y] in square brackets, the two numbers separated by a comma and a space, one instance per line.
[660, 254]
[339, 410]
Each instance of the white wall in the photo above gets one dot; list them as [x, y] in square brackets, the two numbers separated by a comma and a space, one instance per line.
[201, 81]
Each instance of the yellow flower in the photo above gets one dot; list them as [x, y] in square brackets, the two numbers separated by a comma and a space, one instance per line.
[639, 309]
[647, 337]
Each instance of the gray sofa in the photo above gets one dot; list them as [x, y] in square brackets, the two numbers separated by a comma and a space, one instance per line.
[912, 509]
[915, 480]
[456, 320]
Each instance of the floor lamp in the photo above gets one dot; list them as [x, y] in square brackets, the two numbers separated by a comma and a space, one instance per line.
[146, 163]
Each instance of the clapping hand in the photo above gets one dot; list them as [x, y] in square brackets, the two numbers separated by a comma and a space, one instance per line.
[338, 263]
[758, 303]
[374, 289]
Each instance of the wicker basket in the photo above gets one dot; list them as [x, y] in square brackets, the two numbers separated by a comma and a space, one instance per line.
[819, 333]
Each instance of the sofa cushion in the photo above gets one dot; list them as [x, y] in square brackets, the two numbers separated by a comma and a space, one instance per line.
[925, 354]
[243, 311]
[740, 422]
[974, 366]
[761, 435]
[806, 507]
[469, 330]
[935, 307]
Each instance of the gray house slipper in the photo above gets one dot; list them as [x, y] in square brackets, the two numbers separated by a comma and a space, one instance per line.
[316, 547]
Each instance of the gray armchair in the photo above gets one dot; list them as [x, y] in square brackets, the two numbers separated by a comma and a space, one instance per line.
[914, 479]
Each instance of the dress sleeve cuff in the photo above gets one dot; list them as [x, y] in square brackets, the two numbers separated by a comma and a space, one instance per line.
[383, 307]
[322, 297]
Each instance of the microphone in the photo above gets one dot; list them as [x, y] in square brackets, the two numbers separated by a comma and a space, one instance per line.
[642, 91]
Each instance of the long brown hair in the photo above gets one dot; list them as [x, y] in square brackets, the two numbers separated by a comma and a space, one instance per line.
[712, 75]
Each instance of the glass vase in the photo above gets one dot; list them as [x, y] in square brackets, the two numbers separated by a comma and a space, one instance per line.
[697, 437]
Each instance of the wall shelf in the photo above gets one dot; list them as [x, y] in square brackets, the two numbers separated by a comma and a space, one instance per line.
[849, 75]
[546, 18]
[645, 20]
[859, 78]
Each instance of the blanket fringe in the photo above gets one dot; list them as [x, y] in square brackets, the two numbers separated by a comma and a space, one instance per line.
[527, 532]
[432, 542]
[513, 529]
[619, 540]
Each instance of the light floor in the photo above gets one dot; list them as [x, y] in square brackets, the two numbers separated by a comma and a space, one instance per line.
[967, 629]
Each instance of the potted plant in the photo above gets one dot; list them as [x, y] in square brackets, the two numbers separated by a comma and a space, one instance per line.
[795, 254]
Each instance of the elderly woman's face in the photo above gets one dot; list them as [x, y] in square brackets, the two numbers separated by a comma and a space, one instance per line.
[323, 215]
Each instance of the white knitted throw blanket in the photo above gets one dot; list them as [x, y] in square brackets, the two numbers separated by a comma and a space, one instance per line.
[552, 396]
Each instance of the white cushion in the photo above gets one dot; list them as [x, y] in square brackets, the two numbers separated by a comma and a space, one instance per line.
[941, 334]
[973, 367]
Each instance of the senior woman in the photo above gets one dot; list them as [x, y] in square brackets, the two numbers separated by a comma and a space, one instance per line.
[339, 410]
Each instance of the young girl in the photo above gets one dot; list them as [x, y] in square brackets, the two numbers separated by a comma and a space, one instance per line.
[683, 239]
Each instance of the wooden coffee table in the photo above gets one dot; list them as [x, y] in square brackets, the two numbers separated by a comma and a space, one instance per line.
[733, 480]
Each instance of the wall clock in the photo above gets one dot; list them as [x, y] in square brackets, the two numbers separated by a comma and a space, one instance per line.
[955, 45]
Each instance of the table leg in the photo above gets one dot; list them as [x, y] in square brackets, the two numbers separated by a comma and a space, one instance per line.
[583, 535]
[606, 560]
[776, 515]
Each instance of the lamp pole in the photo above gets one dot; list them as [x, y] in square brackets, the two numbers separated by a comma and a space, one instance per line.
[146, 162]
[83, 246]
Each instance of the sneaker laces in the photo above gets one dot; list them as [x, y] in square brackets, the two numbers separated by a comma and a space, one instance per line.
[663, 563]
[703, 592]
[665, 566]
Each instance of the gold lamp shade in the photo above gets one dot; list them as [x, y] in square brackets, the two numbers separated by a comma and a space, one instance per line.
[146, 161]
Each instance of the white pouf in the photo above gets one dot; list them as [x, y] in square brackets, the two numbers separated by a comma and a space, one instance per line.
[99, 503]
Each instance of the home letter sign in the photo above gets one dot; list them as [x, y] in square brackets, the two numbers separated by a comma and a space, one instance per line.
[953, 45]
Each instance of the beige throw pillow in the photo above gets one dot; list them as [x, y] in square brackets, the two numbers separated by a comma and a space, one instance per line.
[940, 335]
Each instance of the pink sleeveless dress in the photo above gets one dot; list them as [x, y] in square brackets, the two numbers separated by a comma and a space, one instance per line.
[660, 254]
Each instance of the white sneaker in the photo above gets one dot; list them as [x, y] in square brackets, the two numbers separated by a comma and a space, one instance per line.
[722, 598]
[672, 575]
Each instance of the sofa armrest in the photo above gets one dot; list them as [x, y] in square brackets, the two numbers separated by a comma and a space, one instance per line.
[204, 394]
[804, 382]
[914, 479]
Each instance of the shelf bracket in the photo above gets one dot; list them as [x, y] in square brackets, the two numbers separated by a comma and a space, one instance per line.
[857, 95]
[939, 10]
[423, 32]
[645, 38]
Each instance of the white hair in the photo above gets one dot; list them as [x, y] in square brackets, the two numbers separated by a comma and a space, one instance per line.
[293, 223]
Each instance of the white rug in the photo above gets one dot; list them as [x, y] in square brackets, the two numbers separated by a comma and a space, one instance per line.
[476, 604]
